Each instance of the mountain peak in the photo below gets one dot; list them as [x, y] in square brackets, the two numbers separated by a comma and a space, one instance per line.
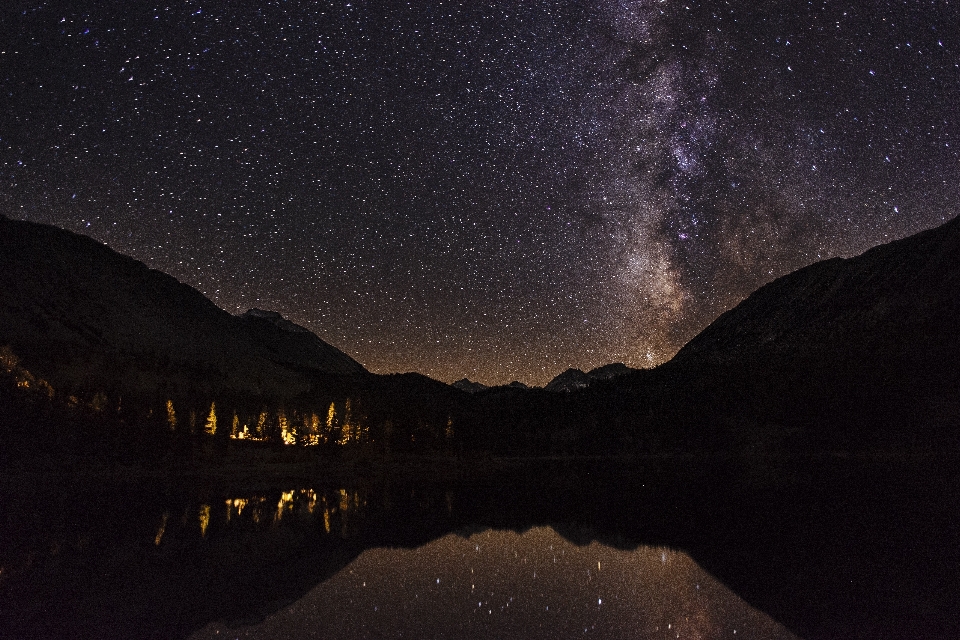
[275, 319]
[465, 384]
[569, 380]
[573, 379]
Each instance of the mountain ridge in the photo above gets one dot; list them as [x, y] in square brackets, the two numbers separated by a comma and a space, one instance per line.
[848, 353]
[573, 379]
[79, 313]
[894, 286]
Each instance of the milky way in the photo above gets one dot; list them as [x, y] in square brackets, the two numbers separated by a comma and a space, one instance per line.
[498, 190]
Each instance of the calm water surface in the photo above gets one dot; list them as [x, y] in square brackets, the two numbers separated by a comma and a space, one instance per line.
[566, 551]
[503, 584]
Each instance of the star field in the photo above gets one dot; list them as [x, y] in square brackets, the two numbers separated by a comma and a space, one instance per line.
[498, 190]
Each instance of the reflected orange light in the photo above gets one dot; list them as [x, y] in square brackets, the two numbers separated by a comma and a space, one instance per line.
[204, 519]
[163, 527]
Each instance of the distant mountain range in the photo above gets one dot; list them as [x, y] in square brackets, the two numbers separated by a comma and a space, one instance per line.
[469, 386]
[845, 354]
[569, 380]
[573, 379]
[465, 384]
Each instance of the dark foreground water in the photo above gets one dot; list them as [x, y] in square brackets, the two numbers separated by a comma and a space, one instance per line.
[747, 549]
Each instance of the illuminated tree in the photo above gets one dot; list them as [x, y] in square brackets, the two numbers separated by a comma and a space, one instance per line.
[331, 416]
[211, 427]
[347, 430]
[171, 416]
[261, 424]
[99, 402]
[288, 434]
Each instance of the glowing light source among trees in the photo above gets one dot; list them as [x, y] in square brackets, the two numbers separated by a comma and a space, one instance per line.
[288, 434]
[261, 424]
[211, 427]
[171, 416]
[331, 416]
[204, 519]
[10, 364]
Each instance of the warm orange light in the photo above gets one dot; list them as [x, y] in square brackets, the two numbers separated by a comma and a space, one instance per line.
[171, 416]
[211, 427]
[204, 519]
[163, 527]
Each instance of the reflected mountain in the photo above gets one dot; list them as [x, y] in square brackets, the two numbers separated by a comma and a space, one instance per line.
[829, 550]
[502, 584]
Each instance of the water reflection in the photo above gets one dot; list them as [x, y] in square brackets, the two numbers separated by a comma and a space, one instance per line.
[165, 561]
[502, 584]
[301, 505]
[162, 529]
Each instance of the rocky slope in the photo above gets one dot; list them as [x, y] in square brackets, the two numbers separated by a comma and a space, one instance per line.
[83, 316]
[846, 354]
[290, 344]
[895, 297]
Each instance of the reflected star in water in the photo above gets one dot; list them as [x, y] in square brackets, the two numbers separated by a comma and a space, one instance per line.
[501, 584]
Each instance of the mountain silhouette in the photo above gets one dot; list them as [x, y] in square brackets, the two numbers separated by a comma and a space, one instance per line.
[569, 380]
[843, 355]
[465, 384]
[847, 354]
[80, 315]
[811, 377]
[895, 297]
[292, 345]
[573, 379]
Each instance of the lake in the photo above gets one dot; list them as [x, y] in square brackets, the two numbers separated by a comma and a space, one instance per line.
[605, 549]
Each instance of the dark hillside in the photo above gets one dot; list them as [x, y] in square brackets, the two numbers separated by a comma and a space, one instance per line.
[861, 353]
[80, 315]
[846, 355]
[901, 298]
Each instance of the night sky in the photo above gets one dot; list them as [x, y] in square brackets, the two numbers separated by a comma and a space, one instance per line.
[496, 190]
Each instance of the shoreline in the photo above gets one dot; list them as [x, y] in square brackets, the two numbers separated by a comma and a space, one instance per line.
[423, 468]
